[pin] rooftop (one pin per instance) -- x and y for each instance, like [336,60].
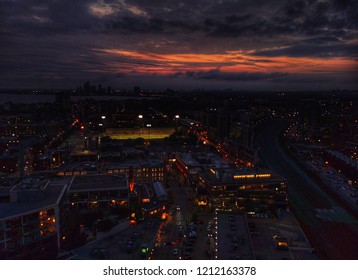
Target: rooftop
[30,183]
[51,193]
[98,182]
[5,191]
[77,166]
[159,189]
[150,162]
[239,175]
[193,160]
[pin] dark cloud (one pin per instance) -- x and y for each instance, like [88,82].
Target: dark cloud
[244,80]
[235,18]
[298,18]
[216,74]
[43,62]
[46,17]
[295,9]
[132,24]
[342,4]
[309,50]
[61,38]
[250,19]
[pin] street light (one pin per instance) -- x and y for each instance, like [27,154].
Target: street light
[149,126]
[176,122]
[141,124]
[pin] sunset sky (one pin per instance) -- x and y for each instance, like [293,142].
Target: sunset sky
[249,45]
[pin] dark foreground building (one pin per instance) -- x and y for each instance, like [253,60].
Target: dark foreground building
[30,220]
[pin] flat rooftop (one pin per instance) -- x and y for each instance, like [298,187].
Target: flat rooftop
[233,237]
[5,191]
[152,162]
[51,193]
[240,175]
[77,166]
[193,160]
[30,183]
[98,182]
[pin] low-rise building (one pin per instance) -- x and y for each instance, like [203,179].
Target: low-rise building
[31,223]
[76,169]
[93,192]
[248,189]
[191,163]
[144,170]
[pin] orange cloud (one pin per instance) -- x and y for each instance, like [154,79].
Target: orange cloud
[233,61]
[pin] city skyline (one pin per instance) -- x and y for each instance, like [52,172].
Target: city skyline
[200,176]
[256,45]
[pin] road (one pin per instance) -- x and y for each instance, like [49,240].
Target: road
[176,228]
[332,231]
[177,218]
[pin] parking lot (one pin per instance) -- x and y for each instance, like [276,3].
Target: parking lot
[233,239]
[279,238]
[122,242]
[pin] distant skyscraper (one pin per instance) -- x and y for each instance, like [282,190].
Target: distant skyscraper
[136,90]
[21,160]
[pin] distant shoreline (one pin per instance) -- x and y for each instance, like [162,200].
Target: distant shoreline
[29,98]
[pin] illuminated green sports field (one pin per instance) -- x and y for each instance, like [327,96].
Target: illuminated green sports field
[134,133]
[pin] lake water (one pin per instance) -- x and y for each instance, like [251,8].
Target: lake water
[25,98]
[29,98]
